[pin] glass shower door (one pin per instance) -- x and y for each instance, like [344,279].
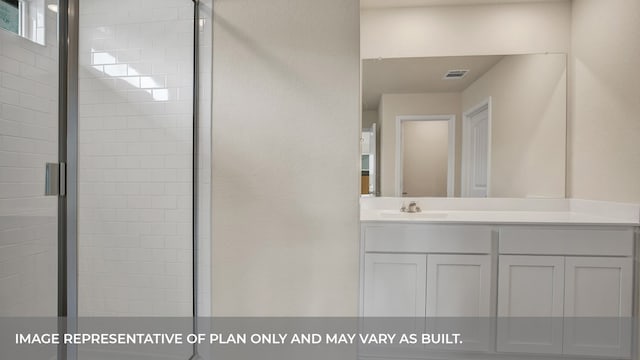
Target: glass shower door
[125,226]
[28,141]
[135,158]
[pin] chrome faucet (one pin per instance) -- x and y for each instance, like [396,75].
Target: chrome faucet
[413,208]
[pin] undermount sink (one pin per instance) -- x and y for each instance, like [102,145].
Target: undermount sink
[416,215]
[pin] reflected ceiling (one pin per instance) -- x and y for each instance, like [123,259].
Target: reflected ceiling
[419,75]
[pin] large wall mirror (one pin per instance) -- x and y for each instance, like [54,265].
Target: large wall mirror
[465,126]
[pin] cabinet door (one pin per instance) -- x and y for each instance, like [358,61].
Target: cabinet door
[458,298]
[597,306]
[530,304]
[394,285]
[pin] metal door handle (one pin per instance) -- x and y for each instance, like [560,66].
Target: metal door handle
[55,179]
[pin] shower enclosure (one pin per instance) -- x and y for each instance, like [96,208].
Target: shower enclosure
[114,101]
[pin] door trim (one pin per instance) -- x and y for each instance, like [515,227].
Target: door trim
[451,161]
[68,29]
[465,172]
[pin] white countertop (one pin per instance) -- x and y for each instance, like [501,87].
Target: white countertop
[493,217]
[502,211]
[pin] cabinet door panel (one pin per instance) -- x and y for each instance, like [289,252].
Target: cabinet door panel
[597,306]
[530,304]
[394,285]
[458,298]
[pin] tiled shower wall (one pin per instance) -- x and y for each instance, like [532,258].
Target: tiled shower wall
[28,140]
[135,157]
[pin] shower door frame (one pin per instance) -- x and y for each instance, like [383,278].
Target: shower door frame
[68,36]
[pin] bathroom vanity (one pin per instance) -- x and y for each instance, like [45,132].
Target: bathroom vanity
[520,278]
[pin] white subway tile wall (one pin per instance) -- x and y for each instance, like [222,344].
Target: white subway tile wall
[28,140]
[135,108]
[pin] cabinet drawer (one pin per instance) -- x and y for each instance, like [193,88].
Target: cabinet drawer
[563,241]
[427,238]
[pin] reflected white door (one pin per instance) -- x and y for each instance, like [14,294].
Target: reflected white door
[475,159]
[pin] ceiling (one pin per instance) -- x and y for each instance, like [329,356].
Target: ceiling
[365,4]
[418,75]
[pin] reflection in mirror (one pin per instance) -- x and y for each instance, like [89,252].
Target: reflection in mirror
[425,155]
[368,152]
[470,126]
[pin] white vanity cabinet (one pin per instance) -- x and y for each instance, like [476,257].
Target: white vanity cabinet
[401,285]
[459,289]
[394,285]
[429,271]
[558,290]
[602,288]
[566,298]
[530,302]
[458,285]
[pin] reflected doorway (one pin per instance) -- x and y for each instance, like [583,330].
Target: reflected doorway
[368,148]
[425,155]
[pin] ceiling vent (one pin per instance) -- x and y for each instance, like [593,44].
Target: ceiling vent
[455,74]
